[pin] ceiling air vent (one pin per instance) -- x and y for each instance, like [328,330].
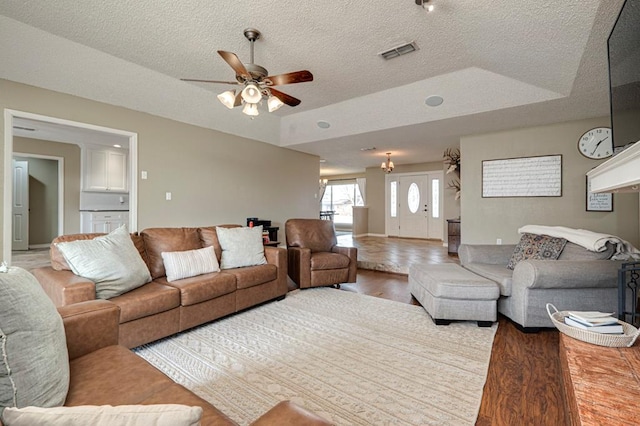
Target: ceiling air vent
[399,50]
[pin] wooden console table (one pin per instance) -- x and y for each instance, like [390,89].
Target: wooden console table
[601,385]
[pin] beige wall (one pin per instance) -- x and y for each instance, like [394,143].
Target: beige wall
[486,219]
[71,155]
[214,177]
[375,194]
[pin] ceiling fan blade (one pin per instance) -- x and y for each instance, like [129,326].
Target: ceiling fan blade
[209,81]
[289,78]
[287,99]
[235,63]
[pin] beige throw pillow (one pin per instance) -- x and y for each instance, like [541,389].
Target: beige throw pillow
[189,263]
[112,262]
[105,415]
[241,247]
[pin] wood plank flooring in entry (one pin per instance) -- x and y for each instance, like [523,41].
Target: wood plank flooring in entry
[523,383]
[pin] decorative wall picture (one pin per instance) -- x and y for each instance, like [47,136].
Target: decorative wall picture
[522,177]
[598,202]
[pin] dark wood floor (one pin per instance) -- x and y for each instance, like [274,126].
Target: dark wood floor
[523,383]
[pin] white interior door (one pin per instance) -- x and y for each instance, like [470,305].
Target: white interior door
[20,206]
[414,206]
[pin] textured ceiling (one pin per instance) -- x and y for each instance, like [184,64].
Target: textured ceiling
[498,65]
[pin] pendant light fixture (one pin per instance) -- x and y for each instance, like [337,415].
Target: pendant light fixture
[387,166]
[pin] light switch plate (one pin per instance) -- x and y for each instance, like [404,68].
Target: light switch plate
[167,196]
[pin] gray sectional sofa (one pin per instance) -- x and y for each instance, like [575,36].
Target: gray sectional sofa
[579,280]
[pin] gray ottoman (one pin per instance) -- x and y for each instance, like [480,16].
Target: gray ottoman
[449,292]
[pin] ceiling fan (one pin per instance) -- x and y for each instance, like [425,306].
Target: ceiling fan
[256,82]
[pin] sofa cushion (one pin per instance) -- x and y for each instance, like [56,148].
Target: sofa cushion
[34,362]
[202,287]
[241,247]
[250,276]
[157,240]
[538,247]
[111,261]
[497,273]
[105,415]
[326,260]
[189,263]
[147,300]
[575,252]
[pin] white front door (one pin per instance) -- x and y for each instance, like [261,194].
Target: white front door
[20,206]
[414,206]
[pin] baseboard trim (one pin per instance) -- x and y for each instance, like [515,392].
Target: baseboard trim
[38,246]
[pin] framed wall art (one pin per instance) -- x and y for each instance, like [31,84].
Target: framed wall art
[539,176]
[598,202]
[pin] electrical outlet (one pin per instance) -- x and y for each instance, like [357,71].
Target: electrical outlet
[167,196]
[499,241]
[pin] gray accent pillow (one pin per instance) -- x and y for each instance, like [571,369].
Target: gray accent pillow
[537,247]
[34,363]
[241,247]
[112,262]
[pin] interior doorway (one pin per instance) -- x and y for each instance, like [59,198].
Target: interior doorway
[414,205]
[10,117]
[38,200]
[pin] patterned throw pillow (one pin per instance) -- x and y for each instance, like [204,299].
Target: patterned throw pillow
[538,247]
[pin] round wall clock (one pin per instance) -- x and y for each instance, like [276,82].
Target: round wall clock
[596,143]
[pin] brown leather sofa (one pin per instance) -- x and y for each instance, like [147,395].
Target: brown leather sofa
[314,257]
[161,308]
[105,373]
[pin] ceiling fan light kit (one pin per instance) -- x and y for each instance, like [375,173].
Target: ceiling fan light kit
[228,98]
[256,82]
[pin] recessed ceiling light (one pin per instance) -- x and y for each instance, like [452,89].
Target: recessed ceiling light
[117,146]
[324,124]
[371,148]
[434,101]
[322,160]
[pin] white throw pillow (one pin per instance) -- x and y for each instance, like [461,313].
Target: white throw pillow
[112,262]
[241,247]
[104,415]
[189,263]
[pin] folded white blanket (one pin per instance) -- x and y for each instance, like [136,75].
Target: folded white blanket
[590,240]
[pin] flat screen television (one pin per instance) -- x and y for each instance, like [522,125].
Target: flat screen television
[624,75]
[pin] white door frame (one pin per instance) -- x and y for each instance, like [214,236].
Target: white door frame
[389,177]
[9,115]
[60,161]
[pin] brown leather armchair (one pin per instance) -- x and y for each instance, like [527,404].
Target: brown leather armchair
[315,259]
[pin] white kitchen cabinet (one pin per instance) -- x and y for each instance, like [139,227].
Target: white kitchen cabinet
[105,170]
[103,222]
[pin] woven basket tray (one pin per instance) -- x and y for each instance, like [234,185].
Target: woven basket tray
[626,339]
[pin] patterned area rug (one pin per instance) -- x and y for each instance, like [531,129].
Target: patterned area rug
[353,359]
